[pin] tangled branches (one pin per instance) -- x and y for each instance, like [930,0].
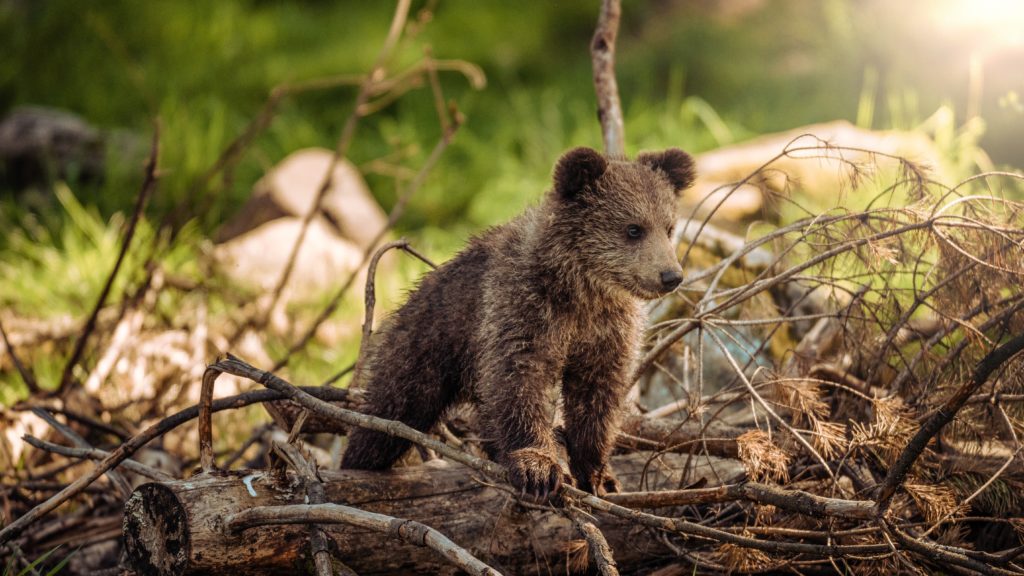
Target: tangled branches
[839,391]
[877,352]
[863,372]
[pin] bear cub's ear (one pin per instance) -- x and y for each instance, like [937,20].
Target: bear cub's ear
[577,169]
[676,164]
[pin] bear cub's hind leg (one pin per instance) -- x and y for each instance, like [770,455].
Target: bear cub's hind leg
[416,398]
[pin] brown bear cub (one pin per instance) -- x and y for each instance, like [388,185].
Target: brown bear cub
[552,298]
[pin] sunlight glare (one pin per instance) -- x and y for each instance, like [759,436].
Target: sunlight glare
[1001,22]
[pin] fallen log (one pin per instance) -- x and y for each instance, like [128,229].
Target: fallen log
[669,435]
[181,527]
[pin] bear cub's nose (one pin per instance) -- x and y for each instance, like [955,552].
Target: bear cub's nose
[670,279]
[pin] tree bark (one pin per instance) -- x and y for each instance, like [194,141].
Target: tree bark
[180,527]
[602,57]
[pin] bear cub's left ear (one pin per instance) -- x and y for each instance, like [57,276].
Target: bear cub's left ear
[677,165]
[577,170]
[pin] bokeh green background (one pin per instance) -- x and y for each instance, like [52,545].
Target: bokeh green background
[692,73]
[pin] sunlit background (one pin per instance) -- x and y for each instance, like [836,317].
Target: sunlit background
[698,74]
[721,71]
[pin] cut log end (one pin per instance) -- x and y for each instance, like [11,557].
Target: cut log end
[156,531]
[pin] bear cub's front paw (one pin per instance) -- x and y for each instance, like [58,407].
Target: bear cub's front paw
[535,472]
[600,482]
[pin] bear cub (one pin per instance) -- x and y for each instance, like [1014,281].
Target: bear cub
[552,298]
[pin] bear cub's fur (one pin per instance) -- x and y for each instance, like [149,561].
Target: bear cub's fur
[552,298]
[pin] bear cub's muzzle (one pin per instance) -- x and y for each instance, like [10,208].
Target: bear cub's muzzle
[670,280]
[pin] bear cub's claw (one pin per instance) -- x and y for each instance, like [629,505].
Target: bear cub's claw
[600,482]
[536,473]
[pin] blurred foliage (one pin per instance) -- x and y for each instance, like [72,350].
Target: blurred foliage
[692,73]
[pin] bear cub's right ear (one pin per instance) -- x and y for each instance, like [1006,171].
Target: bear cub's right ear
[674,163]
[576,170]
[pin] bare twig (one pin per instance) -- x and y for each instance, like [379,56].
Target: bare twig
[238,367]
[315,493]
[942,555]
[406,530]
[25,372]
[260,434]
[764,404]
[339,374]
[98,455]
[116,478]
[396,212]
[600,551]
[794,500]
[73,416]
[148,184]
[371,296]
[230,155]
[342,146]
[206,456]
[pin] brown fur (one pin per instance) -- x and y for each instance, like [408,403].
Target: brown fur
[553,297]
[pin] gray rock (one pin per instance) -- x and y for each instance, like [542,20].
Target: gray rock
[290,189]
[254,246]
[44,144]
[40,145]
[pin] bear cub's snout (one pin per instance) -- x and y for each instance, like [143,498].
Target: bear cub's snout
[670,279]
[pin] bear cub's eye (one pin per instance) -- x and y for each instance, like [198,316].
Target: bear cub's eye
[634,232]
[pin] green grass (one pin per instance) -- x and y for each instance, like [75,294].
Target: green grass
[56,265]
[36,565]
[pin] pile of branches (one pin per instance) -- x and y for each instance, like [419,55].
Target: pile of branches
[885,440]
[839,394]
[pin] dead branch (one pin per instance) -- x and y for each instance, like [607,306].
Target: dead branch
[596,542]
[602,55]
[133,444]
[308,472]
[341,148]
[371,295]
[943,416]
[764,494]
[99,455]
[25,372]
[238,367]
[408,531]
[148,184]
[116,478]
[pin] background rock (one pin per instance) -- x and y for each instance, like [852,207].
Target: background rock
[816,170]
[254,246]
[43,144]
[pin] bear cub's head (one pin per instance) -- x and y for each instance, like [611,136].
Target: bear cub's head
[619,216]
